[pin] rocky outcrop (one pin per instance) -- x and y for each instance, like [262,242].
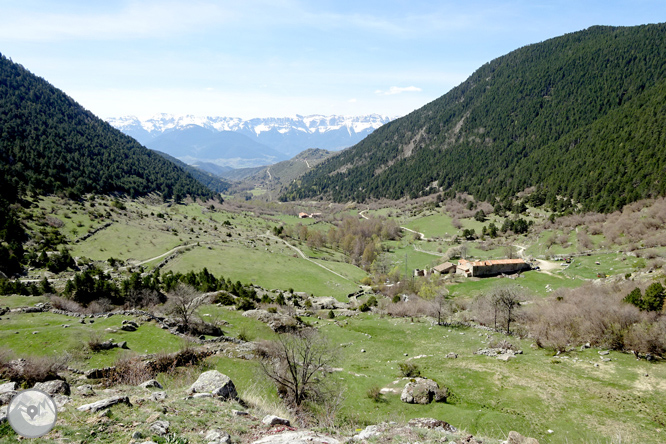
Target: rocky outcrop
[54,387]
[423,391]
[272,420]
[278,322]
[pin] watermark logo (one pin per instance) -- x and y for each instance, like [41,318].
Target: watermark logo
[32,413]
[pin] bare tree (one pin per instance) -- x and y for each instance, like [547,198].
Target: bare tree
[505,302]
[440,307]
[183,303]
[296,363]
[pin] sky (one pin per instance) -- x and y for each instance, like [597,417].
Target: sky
[279,58]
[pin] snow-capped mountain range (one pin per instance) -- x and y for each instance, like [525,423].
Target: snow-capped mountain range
[288,135]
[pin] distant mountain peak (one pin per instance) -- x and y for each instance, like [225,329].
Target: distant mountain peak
[288,135]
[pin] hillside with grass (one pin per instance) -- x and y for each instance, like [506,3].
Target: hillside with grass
[579,116]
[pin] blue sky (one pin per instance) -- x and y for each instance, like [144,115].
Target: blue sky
[275,58]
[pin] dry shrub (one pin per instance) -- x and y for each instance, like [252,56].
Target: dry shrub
[95,341]
[594,314]
[187,356]
[28,371]
[65,304]
[99,306]
[413,307]
[130,369]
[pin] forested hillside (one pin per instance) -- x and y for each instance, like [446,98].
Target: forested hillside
[210,180]
[49,143]
[580,116]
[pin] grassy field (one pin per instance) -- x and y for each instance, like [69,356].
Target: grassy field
[532,394]
[265,269]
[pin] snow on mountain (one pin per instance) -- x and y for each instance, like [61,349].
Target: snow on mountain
[289,135]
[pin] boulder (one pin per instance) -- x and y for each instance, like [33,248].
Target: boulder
[517,438]
[158,396]
[99,373]
[160,428]
[272,420]
[216,384]
[368,432]
[326,303]
[54,387]
[103,404]
[423,391]
[85,390]
[8,387]
[151,384]
[128,327]
[217,436]
[300,437]
[431,423]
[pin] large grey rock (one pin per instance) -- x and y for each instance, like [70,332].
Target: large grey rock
[272,420]
[85,390]
[6,397]
[152,383]
[423,391]
[327,303]
[367,433]
[99,373]
[517,438]
[300,437]
[8,387]
[217,436]
[105,403]
[158,396]
[160,428]
[54,387]
[431,423]
[216,384]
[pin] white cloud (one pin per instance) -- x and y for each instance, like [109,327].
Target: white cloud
[351,100]
[398,90]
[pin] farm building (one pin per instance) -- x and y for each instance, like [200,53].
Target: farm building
[491,268]
[445,268]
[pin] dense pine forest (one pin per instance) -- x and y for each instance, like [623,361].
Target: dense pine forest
[50,144]
[580,116]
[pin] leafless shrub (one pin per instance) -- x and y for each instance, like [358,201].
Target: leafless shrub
[413,307]
[130,369]
[592,313]
[297,364]
[99,306]
[65,304]
[28,371]
[501,343]
[94,341]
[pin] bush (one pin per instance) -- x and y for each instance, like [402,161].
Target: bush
[31,370]
[409,370]
[331,314]
[224,298]
[245,304]
[375,394]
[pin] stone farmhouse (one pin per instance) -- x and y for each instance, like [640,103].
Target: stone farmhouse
[491,267]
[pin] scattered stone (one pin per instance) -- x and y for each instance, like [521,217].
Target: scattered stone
[300,437]
[105,403]
[362,350]
[604,353]
[278,322]
[54,387]
[272,420]
[128,327]
[217,436]
[431,423]
[35,332]
[240,413]
[137,435]
[82,321]
[123,345]
[216,384]
[368,432]
[158,396]
[452,355]
[160,428]
[85,390]
[152,383]
[517,438]
[61,401]
[201,395]
[423,391]
[99,373]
